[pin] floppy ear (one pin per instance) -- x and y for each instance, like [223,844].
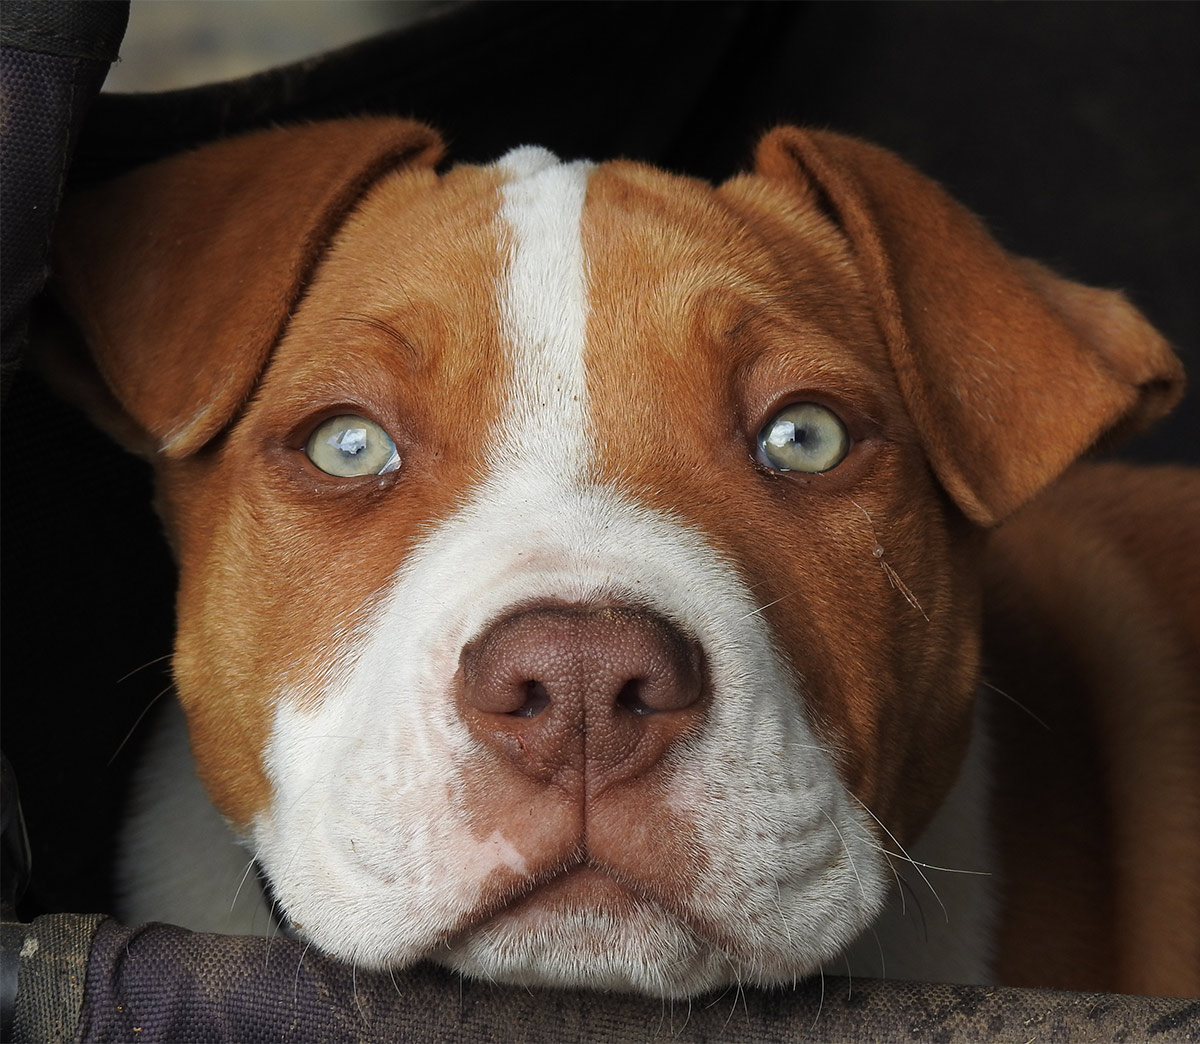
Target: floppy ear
[1008,371]
[180,276]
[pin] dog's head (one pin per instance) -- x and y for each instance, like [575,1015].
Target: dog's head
[578,563]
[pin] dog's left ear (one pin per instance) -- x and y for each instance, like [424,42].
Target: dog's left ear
[1009,371]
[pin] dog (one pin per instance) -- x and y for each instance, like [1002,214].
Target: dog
[589,576]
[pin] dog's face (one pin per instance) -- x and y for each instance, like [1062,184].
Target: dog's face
[578,598]
[573,689]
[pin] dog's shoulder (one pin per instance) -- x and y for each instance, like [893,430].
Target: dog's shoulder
[1108,557]
[1092,632]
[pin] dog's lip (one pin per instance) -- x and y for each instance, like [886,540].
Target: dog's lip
[585,886]
[580,886]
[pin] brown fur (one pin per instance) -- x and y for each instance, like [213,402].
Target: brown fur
[329,547]
[733,324]
[1094,625]
[980,339]
[233,219]
[835,273]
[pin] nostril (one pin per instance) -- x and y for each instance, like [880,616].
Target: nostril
[537,699]
[630,697]
[573,666]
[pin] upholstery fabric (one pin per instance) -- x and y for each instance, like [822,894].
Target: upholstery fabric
[161,983]
[53,59]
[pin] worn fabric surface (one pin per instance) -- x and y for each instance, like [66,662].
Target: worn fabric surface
[53,969]
[160,983]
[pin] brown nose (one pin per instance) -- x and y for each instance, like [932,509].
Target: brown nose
[582,697]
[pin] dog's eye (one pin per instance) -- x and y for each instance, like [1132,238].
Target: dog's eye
[803,437]
[349,447]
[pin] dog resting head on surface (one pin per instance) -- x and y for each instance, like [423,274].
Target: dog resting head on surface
[580,565]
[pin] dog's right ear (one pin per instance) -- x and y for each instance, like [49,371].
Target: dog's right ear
[178,278]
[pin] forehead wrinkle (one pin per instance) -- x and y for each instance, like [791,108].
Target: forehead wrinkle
[396,336]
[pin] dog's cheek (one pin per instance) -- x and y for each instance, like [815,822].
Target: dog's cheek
[876,607]
[905,719]
[949,669]
[925,729]
[227,729]
[256,618]
[226,702]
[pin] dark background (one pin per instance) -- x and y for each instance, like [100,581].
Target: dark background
[1071,128]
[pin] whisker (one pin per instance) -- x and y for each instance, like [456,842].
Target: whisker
[875,934]
[241,884]
[296,980]
[144,666]
[741,995]
[888,571]
[930,866]
[354,993]
[899,584]
[725,992]
[275,912]
[1016,703]
[866,514]
[875,846]
[762,608]
[920,908]
[133,728]
[787,932]
[820,1004]
[846,849]
[896,841]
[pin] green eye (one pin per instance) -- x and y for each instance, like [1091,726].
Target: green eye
[350,447]
[803,437]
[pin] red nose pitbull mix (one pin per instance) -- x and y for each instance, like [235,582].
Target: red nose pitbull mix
[592,577]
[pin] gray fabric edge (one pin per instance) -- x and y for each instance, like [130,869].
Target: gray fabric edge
[157,982]
[53,971]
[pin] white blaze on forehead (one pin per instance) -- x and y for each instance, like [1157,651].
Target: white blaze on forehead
[543,307]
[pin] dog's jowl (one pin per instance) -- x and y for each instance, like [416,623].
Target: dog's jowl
[590,576]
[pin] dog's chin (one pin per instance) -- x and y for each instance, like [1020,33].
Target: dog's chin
[585,931]
[647,953]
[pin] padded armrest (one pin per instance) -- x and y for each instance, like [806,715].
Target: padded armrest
[91,979]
